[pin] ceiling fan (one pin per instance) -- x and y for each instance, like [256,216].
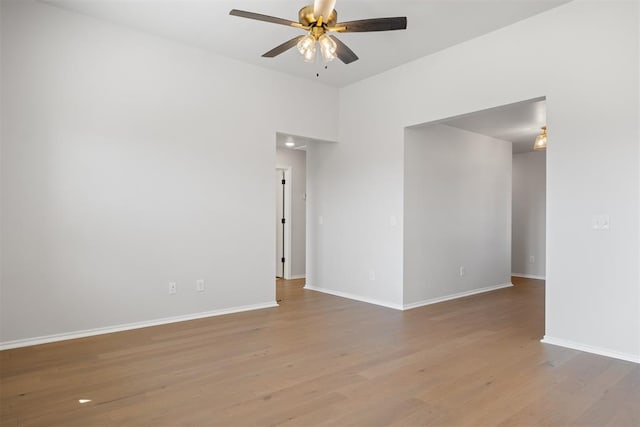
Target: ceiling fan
[318,20]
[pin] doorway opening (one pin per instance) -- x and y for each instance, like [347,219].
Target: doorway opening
[301,159]
[475,206]
[520,124]
[290,212]
[284,219]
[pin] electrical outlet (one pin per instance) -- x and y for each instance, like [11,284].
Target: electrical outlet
[532,259]
[462,271]
[372,275]
[173,288]
[200,285]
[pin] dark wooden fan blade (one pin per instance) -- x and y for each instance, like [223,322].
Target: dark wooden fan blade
[265,18]
[376,24]
[343,52]
[282,48]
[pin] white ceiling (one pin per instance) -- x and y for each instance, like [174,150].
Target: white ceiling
[519,123]
[300,142]
[432,26]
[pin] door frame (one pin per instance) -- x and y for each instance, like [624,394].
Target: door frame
[288,177]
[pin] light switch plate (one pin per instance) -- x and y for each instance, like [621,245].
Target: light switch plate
[601,222]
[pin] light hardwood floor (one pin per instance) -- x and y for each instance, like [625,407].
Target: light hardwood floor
[318,360]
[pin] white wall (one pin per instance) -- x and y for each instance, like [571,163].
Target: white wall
[583,56]
[129,161]
[296,159]
[457,212]
[351,186]
[529,214]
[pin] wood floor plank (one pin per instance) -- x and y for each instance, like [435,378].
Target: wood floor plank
[319,359]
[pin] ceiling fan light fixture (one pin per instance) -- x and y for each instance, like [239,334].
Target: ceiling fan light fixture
[307,48]
[306,43]
[328,47]
[541,140]
[309,55]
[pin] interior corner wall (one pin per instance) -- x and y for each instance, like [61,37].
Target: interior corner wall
[354,208]
[529,214]
[296,159]
[592,291]
[457,213]
[130,161]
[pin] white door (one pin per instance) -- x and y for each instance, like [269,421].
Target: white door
[279,224]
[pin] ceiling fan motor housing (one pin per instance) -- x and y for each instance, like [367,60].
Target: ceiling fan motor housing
[307,18]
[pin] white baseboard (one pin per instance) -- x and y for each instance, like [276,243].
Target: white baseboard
[455,296]
[411,305]
[529,276]
[297,276]
[354,297]
[590,349]
[128,326]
